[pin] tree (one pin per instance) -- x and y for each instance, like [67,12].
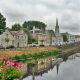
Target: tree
[2,23]
[31,40]
[65,38]
[29,25]
[16,27]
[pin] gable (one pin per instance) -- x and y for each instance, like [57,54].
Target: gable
[7,33]
[21,32]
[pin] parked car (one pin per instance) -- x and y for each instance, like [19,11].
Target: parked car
[1,47]
[10,47]
[41,46]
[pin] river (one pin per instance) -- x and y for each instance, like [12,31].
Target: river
[66,70]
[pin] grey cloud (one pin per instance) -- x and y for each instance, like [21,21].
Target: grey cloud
[14,15]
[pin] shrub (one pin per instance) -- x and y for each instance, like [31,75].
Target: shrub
[36,56]
[16,57]
[9,73]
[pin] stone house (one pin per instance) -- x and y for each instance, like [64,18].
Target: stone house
[46,38]
[41,39]
[14,38]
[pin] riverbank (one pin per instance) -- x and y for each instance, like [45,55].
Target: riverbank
[8,53]
[36,56]
[67,52]
[29,54]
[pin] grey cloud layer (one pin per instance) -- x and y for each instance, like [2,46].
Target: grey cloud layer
[68,12]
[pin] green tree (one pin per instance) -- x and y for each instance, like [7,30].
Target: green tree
[65,38]
[16,27]
[32,40]
[2,23]
[29,25]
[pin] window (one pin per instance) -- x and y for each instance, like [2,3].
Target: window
[25,37]
[12,42]
[18,37]
[22,37]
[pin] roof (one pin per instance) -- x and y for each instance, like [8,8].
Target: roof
[50,32]
[66,33]
[13,32]
[77,36]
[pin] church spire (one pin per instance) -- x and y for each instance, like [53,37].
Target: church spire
[56,21]
[57,28]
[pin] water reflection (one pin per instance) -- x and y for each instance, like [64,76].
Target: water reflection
[50,70]
[43,66]
[57,66]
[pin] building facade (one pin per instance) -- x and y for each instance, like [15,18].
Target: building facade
[70,37]
[14,38]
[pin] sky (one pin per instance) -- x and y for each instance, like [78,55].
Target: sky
[67,11]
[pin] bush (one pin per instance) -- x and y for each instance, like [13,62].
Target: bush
[9,73]
[16,57]
[36,55]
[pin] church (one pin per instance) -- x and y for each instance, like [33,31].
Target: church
[50,37]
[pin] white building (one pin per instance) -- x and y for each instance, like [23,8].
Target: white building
[77,38]
[70,37]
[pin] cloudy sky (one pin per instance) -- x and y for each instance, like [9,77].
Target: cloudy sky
[67,11]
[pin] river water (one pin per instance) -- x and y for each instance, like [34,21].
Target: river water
[66,70]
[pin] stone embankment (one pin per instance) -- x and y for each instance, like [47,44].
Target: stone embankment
[69,49]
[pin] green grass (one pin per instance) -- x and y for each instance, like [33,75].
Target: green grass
[36,56]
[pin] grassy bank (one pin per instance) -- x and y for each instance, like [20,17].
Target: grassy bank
[10,53]
[36,56]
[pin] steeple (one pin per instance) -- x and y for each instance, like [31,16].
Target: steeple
[56,21]
[57,28]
